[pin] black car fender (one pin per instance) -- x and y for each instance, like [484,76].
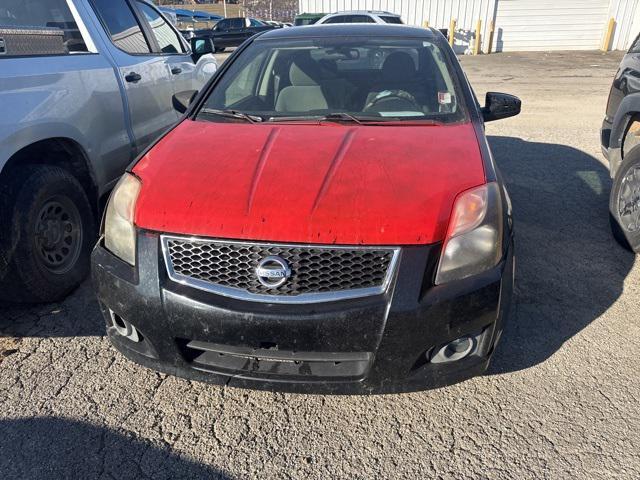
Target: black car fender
[629,108]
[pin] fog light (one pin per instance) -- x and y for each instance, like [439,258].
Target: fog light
[455,350]
[124,328]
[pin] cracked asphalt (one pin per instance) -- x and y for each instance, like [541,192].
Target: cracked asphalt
[560,400]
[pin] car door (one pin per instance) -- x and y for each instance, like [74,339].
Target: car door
[221,33]
[167,42]
[145,74]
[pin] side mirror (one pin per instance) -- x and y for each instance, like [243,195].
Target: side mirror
[201,46]
[182,100]
[500,105]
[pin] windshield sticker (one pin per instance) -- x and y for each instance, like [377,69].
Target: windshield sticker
[444,98]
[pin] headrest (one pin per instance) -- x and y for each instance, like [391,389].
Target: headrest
[304,72]
[398,65]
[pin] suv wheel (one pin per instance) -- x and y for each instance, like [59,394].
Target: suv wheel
[50,232]
[624,203]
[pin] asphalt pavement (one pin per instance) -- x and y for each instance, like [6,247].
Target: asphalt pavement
[560,400]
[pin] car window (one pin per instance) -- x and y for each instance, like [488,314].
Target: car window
[58,32]
[391,19]
[360,19]
[166,37]
[122,26]
[256,23]
[237,23]
[336,19]
[222,25]
[381,78]
[245,82]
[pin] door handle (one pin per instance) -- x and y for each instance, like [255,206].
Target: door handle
[176,70]
[133,77]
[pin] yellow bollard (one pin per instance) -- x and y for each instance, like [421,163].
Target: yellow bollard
[452,32]
[606,44]
[476,47]
[426,24]
[492,28]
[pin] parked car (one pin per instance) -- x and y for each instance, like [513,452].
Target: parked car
[355,236]
[307,19]
[83,91]
[232,32]
[620,137]
[361,16]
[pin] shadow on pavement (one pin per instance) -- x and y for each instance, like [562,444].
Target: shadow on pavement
[77,316]
[569,269]
[41,448]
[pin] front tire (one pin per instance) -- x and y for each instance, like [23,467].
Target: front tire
[50,229]
[624,202]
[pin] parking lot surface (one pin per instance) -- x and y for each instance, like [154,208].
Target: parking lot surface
[560,400]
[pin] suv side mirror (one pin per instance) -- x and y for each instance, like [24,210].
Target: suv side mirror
[201,46]
[182,100]
[500,105]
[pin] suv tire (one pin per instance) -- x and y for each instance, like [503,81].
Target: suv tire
[50,231]
[624,202]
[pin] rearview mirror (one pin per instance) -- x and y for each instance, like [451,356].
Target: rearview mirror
[500,105]
[201,46]
[182,100]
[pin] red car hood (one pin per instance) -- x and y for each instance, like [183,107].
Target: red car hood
[324,184]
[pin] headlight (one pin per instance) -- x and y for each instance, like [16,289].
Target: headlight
[119,229]
[474,237]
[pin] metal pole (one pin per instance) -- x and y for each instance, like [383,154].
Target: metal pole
[452,32]
[224,5]
[476,47]
[608,35]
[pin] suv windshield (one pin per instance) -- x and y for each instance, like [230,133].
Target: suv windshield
[358,78]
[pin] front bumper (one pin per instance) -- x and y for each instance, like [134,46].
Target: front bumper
[379,344]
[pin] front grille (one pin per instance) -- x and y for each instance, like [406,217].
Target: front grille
[315,270]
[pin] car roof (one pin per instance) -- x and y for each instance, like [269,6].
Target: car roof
[365,12]
[350,29]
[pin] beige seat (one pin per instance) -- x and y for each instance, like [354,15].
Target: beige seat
[304,94]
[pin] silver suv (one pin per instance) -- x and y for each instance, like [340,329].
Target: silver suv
[361,16]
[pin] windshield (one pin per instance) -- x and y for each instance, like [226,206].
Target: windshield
[362,79]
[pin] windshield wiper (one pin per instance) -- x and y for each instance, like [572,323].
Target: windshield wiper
[232,114]
[343,117]
[331,117]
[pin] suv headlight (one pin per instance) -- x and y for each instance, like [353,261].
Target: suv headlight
[474,238]
[119,228]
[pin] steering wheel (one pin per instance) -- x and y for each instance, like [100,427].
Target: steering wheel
[405,101]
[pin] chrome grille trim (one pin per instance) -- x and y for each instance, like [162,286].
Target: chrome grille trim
[242,294]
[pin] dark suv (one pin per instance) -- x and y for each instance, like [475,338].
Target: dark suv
[620,136]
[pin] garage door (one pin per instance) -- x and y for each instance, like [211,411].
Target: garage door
[550,24]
